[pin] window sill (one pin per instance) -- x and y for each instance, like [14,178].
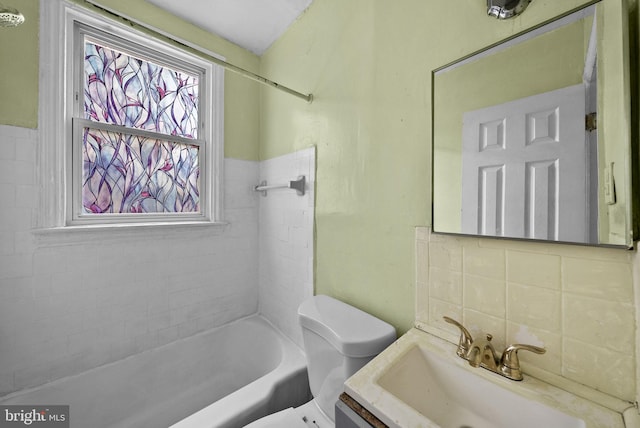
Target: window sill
[65,235]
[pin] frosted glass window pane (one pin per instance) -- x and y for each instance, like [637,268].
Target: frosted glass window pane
[133,174]
[124,90]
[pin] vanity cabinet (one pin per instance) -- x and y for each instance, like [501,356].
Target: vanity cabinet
[351,414]
[347,418]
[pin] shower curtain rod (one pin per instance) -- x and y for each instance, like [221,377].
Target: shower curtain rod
[201,52]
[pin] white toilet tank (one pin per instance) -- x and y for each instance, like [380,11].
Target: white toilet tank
[338,340]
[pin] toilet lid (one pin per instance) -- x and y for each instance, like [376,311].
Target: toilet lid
[352,332]
[286,418]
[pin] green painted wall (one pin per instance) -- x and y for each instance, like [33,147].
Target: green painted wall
[368,64]
[19,67]
[19,71]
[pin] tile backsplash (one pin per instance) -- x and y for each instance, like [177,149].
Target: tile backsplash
[577,302]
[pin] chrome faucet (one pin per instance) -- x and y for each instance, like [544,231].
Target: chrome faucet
[481,353]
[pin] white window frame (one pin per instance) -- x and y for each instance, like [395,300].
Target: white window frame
[61,100]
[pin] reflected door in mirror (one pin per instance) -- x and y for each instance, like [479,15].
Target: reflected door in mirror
[506,136]
[523,165]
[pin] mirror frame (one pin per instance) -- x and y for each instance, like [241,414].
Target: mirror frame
[618,116]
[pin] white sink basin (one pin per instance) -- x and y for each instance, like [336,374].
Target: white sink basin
[453,397]
[420,382]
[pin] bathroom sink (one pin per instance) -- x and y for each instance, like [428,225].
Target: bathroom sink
[454,397]
[419,381]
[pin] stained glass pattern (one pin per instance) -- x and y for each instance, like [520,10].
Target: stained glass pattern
[127,174]
[124,90]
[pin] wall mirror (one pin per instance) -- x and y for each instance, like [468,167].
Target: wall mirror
[531,136]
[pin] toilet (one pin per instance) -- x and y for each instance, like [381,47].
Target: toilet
[338,340]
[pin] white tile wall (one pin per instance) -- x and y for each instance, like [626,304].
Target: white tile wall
[578,302]
[286,241]
[67,307]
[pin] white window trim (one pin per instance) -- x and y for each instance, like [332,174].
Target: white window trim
[56,89]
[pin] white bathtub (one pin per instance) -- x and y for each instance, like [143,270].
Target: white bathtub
[247,370]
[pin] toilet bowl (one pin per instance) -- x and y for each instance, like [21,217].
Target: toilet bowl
[305,416]
[339,339]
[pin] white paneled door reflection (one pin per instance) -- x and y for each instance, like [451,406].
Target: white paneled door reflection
[523,168]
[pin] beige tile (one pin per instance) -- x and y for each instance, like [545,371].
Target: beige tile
[567,250]
[446,238]
[422,261]
[486,295]
[601,323]
[592,253]
[600,368]
[422,233]
[438,309]
[422,305]
[515,245]
[598,278]
[445,285]
[577,302]
[487,262]
[551,360]
[480,324]
[422,302]
[534,306]
[422,292]
[446,255]
[538,269]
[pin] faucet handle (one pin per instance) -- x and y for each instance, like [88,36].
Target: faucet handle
[465,338]
[510,363]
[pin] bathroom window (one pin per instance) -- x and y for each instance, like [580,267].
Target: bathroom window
[142,136]
[135,142]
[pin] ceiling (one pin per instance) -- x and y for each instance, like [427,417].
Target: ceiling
[252,24]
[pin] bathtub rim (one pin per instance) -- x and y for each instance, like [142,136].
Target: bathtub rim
[282,337]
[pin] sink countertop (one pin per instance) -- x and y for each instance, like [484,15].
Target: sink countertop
[364,388]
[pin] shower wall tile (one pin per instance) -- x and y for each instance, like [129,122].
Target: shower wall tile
[286,240]
[577,302]
[68,307]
